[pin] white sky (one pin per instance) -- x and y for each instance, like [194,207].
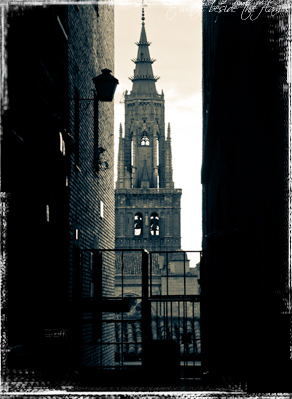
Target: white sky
[174,29]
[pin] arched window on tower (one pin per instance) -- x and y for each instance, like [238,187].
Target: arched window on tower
[154,224]
[138,224]
[132,151]
[145,139]
[132,160]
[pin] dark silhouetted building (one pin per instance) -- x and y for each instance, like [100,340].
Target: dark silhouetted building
[58,174]
[244,277]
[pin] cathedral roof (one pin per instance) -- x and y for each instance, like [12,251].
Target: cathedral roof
[143,79]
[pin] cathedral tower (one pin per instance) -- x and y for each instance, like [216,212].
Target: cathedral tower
[147,204]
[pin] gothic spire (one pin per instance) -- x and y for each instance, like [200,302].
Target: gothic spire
[143,79]
[168,131]
[168,160]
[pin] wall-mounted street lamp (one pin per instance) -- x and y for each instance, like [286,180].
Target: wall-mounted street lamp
[105,87]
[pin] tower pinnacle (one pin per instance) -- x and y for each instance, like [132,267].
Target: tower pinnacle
[168,131]
[143,78]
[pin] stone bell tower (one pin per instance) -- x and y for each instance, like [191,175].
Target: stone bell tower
[147,204]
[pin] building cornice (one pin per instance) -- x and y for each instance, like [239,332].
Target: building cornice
[149,191]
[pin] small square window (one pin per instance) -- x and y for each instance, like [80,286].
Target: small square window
[101,209]
[91,290]
[91,261]
[47,213]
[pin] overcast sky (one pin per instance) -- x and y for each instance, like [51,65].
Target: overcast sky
[174,29]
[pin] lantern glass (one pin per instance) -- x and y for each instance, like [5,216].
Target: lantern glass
[105,85]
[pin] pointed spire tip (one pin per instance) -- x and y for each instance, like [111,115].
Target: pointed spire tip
[168,130]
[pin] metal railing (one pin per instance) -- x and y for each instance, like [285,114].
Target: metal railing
[155,298]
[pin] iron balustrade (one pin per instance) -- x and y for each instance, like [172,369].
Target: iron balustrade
[156,299]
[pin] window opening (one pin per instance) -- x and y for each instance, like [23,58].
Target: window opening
[62,144]
[138,224]
[132,152]
[101,209]
[154,224]
[91,290]
[47,213]
[158,162]
[145,139]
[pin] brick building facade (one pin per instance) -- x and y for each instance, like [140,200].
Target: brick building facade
[58,174]
[90,49]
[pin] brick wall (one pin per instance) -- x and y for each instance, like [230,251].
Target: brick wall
[60,49]
[90,49]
